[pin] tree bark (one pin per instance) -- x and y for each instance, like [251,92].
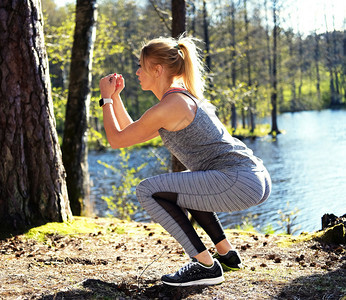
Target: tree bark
[206,38]
[268,52]
[274,93]
[233,65]
[178,17]
[317,62]
[248,60]
[75,149]
[32,179]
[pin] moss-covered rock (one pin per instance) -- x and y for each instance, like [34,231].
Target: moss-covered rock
[334,235]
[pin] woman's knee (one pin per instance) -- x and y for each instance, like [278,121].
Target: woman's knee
[267,186]
[143,190]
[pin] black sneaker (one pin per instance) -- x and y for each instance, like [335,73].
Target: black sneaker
[230,261]
[195,273]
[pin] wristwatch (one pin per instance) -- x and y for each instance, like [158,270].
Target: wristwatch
[104,101]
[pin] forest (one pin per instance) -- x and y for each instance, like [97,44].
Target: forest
[236,41]
[52,56]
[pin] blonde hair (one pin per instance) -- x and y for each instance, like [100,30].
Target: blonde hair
[181,59]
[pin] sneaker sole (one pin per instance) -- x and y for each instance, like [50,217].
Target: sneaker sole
[226,268]
[208,281]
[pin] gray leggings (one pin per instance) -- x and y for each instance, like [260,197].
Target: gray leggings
[168,197]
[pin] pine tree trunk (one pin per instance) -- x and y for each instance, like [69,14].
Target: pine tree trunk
[274,93]
[32,178]
[248,61]
[233,65]
[178,28]
[268,54]
[75,149]
[178,17]
[317,61]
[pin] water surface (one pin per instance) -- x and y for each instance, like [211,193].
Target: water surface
[307,165]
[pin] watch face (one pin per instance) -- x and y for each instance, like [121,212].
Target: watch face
[101,102]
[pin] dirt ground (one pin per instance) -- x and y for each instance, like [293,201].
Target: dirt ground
[125,260]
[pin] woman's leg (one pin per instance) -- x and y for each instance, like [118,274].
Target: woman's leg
[198,191]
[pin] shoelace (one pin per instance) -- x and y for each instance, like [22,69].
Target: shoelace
[186,267]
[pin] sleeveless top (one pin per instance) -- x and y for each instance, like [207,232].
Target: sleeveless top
[205,144]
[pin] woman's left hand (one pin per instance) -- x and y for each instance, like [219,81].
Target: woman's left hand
[108,86]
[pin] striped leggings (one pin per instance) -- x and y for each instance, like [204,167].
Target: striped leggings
[168,197]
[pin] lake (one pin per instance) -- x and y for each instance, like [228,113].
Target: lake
[307,164]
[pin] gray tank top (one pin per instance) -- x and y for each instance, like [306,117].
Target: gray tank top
[205,144]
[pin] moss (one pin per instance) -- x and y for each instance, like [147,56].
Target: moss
[77,226]
[303,237]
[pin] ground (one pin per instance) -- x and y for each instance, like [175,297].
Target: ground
[111,259]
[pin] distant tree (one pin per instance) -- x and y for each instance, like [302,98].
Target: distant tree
[75,149]
[291,68]
[32,177]
[206,38]
[233,64]
[249,64]
[274,80]
[317,63]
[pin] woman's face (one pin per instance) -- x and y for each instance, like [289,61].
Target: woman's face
[146,78]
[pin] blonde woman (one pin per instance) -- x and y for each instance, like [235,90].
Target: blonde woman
[223,175]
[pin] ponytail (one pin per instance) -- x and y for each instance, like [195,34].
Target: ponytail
[193,75]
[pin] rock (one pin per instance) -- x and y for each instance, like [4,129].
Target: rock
[335,235]
[330,220]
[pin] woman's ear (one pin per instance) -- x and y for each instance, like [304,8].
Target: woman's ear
[158,70]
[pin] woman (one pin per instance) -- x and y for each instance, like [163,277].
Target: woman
[223,175]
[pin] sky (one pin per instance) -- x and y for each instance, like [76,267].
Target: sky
[305,15]
[311,15]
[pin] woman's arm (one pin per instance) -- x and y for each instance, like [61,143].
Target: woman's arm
[120,111]
[137,132]
[121,131]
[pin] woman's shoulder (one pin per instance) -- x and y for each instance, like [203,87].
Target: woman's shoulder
[178,100]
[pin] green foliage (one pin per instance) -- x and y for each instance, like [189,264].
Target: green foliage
[59,97]
[122,27]
[287,219]
[260,131]
[247,224]
[121,203]
[268,229]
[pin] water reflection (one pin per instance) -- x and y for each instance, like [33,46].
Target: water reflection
[307,165]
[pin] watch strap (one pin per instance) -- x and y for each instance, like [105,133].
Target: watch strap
[104,101]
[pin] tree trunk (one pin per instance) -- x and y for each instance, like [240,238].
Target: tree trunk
[248,60]
[291,69]
[233,65]
[32,178]
[274,93]
[336,73]
[301,63]
[268,54]
[344,64]
[178,28]
[178,17]
[75,150]
[317,61]
[330,70]
[206,39]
